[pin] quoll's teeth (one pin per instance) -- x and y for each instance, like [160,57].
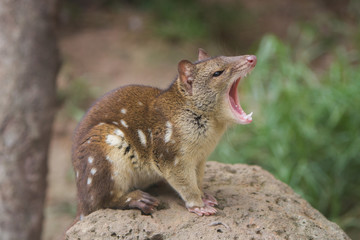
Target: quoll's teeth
[248,117]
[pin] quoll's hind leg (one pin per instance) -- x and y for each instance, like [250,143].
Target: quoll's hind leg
[93,173]
[143,201]
[136,199]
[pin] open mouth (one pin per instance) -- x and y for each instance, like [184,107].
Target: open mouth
[239,113]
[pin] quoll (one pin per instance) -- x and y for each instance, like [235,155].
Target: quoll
[135,136]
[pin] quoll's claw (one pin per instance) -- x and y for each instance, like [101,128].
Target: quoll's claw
[146,203]
[201,211]
[209,200]
[148,199]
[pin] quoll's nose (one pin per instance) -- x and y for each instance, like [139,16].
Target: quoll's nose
[252,60]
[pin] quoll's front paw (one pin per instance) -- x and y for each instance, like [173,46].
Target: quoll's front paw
[209,200]
[206,210]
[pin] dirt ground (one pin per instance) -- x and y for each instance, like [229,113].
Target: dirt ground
[108,50]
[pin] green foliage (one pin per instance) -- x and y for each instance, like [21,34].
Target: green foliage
[188,20]
[177,20]
[76,97]
[306,128]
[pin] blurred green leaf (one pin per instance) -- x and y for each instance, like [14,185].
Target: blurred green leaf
[76,97]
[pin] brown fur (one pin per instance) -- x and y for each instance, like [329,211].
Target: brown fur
[135,136]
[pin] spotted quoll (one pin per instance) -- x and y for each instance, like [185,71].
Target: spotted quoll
[135,136]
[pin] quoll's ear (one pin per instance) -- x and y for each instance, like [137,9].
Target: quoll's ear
[186,74]
[203,54]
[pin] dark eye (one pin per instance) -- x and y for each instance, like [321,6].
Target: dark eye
[218,73]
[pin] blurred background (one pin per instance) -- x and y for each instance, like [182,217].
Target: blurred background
[304,91]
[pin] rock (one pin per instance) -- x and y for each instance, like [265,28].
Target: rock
[252,205]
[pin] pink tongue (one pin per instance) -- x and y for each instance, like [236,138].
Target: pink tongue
[235,105]
[234,100]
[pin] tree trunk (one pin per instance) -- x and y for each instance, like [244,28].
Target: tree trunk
[29,64]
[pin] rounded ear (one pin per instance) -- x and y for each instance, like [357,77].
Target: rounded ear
[202,55]
[186,74]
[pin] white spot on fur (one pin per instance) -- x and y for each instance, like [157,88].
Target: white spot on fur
[90,159]
[115,123]
[89,180]
[113,140]
[150,132]
[93,171]
[108,158]
[119,132]
[140,103]
[88,141]
[100,124]
[124,123]
[142,137]
[128,200]
[136,155]
[176,161]
[168,132]
[123,111]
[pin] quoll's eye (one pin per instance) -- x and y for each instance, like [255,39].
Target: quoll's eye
[218,73]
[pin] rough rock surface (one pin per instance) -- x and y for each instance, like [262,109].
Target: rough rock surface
[252,205]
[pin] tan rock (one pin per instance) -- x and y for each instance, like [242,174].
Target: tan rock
[252,205]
